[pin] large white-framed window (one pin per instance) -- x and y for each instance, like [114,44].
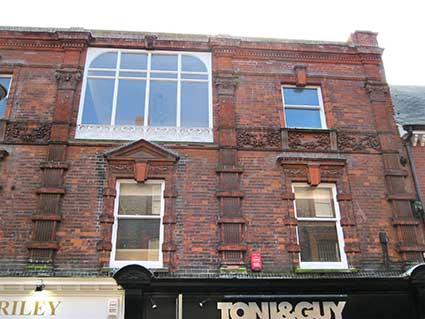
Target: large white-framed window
[319,230]
[5,81]
[303,107]
[156,95]
[137,234]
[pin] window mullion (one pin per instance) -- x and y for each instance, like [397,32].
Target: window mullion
[179,71]
[148,82]
[115,97]
[322,108]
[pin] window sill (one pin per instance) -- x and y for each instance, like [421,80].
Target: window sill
[132,132]
[323,266]
[149,265]
[309,130]
[304,271]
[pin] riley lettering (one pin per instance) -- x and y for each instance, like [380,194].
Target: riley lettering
[28,308]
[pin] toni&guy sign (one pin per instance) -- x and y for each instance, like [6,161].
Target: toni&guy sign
[281,310]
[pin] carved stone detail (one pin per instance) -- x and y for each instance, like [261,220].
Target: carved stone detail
[308,142]
[226,84]
[133,274]
[331,172]
[357,142]
[296,172]
[68,79]
[259,138]
[25,132]
[158,170]
[132,132]
[3,154]
[150,41]
[377,91]
[122,168]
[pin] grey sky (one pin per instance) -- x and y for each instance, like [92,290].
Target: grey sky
[400,24]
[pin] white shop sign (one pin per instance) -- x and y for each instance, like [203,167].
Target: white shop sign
[38,305]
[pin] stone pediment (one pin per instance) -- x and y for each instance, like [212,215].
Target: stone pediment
[142,151]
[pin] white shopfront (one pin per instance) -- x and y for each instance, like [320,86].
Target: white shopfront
[61,298]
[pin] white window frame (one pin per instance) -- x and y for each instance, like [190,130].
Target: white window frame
[319,107]
[343,264]
[2,75]
[148,264]
[153,133]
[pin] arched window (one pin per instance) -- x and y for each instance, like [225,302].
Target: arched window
[152,95]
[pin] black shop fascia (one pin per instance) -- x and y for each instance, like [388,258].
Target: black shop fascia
[273,296]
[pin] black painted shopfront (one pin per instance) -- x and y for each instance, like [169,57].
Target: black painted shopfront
[267,296]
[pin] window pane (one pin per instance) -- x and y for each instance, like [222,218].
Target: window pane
[300,96]
[5,82]
[105,61]
[140,199]
[314,202]
[134,61]
[164,62]
[98,101]
[318,241]
[164,75]
[138,239]
[194,77]
[193,64]
[194,104]
[162,103]
[133,74]
[101,73]
[131,102]
[303,118]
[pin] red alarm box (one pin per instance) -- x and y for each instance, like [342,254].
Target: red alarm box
[256,262]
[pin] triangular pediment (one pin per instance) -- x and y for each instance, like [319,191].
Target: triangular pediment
[142,150]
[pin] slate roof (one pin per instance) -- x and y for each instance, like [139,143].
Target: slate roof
[409,104]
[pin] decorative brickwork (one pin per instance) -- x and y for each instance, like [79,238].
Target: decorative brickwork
[27,132]
[232,248]
[140,160]
[44,243]
[316,170]
[411,241]
[358,142]
[309,142]
[259,138]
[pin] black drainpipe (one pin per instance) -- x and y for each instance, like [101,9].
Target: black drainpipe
[419,205]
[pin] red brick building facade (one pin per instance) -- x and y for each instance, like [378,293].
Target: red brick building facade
[409,105]
[236,147]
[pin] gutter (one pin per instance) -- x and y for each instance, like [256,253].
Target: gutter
[406,139]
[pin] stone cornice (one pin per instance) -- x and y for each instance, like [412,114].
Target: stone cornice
[44,40]
[303,55]
[42,44]
[306,51]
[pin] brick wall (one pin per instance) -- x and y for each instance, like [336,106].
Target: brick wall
[418,153]
[361,130]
